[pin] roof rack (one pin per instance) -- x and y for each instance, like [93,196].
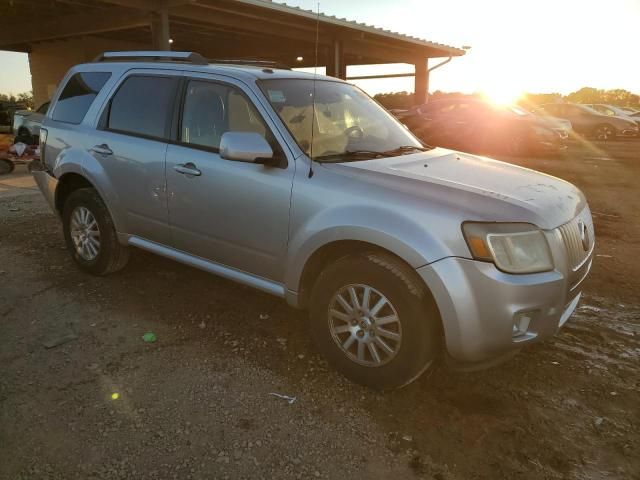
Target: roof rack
[152,56]
[250,62]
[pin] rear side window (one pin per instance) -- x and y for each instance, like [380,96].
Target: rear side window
[142,106]
[78,95]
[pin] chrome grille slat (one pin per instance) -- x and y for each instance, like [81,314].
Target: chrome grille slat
[577,256]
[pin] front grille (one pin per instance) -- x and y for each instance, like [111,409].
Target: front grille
[578,238]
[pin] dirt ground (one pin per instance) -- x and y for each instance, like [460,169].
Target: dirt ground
[197,403]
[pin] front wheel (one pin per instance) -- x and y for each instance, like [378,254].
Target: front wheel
[374,321]
[90,234]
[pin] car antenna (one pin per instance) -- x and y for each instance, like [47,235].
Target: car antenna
[313,101]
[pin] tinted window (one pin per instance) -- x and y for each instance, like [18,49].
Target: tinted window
[142,106]
[78,95]
[212,109]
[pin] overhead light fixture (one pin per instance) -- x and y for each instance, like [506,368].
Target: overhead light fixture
[171,40]
[299,59]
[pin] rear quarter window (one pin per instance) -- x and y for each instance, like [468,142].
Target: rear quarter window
[78,95]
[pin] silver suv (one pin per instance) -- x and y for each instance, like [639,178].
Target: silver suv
[305,188]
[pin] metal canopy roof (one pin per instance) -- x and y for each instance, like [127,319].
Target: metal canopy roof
[215,28]
[352,24]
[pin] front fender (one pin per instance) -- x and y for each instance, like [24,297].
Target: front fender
[386,229]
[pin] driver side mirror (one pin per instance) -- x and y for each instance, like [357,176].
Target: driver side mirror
[249,147]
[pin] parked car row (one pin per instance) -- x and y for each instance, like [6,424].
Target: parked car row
[479,126]
[591,122]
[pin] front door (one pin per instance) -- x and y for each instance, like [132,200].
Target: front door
[233,213]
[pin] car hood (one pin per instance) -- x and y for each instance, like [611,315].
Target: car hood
[482,188]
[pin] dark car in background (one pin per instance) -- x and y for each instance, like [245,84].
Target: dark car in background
[478,126]
[588,122]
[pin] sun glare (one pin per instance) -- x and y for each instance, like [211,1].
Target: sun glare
[502,94]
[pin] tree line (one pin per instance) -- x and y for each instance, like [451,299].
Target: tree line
[618,97]
[24,99]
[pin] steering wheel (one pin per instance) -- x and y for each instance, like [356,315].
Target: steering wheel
[351,132]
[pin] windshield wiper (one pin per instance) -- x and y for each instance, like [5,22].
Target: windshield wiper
[353,155]
[349,155]
[405,149]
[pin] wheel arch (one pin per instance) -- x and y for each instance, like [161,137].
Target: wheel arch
[67,184]
[323,255]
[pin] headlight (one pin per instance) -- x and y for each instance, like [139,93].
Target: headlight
[513,247]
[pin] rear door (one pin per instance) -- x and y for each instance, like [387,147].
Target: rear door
[233,213]
[131,144]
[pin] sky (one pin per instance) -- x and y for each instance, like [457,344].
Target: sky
[542,46]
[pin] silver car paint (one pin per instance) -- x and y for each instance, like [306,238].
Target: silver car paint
[260,225]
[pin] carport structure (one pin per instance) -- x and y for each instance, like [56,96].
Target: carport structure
[60,33]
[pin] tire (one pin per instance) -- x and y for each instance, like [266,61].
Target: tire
[604,132]
[24,136]
[108,256]
[418,322]
[6,166]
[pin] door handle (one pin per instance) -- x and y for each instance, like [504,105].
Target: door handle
[102,149]
[188,169]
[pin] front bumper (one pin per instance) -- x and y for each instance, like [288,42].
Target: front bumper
[478,305]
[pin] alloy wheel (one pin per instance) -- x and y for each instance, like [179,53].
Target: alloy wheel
[365,325]
[85,233]
[604,132]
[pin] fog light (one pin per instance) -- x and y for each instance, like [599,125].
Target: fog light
[521,322]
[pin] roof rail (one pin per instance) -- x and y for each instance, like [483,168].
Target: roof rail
[250,62]
[152,56]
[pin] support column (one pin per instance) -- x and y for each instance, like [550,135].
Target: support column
[336,66]
[421,82]
[160,27]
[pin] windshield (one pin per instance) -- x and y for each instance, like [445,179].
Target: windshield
[518,111]
[586,109]
[347,122]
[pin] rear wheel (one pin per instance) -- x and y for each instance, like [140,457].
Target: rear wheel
[604,132]
[90,235]
[374,321]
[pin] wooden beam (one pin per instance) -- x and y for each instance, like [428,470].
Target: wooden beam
[73,25]
[387,75]
[268,27]
[148,5]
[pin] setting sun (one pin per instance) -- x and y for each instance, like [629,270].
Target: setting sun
[503,94]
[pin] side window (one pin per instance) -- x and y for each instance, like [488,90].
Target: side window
[212,109]
[142,106]
[78,95]
[43,108]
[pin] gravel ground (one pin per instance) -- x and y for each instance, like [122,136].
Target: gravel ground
[198,402]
